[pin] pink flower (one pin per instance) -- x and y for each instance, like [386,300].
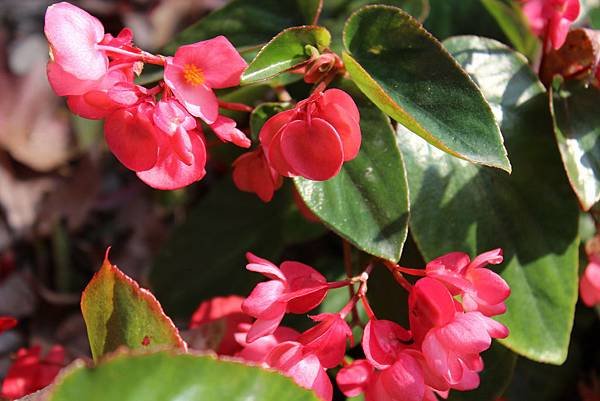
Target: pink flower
[31,372]
[315,138]
[383,341]
[258,350]
[225,129]
[481,289]
[292,359]
[252,173]
[327,340]
[7,323]
[356,378]
[589,287]
[430,305]
[294,288]
[403,381]
[551,18]
[224,315]
[197,69]
[76,62]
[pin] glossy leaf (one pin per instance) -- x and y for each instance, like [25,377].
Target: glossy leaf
[249,23]
[406,72]
[285,51]
[168,377]
[205,256]
[117,312]
[577,128]
[532,214]
[511,19]
[367,202]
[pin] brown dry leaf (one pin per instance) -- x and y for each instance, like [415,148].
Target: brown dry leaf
[577,58]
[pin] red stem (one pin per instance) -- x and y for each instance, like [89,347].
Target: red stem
[235,106]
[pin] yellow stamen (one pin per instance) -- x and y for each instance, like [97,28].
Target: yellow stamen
[193,75]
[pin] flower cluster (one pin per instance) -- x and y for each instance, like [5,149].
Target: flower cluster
[551,19]
[450,311]
[152,131]
[156,131]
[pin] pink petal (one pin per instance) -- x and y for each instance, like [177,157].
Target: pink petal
[132,138]
[251,173]
[492,257]
[65,84]
[467,334]
[382,341]
[404,379]
[572,10]
[264,267]
[322,386]
[272,126]
[285,355]
[199,100]
[342,99]
[73,35]
[558,31]
[262,297]
[170,172]
[258,350]
[589,287]
[430,305]
[226,130]
[489,286]
[355,378]
[276,159]
[264,327]
[441,360]
[327,340]
[313,151]
[338,109]
[299,275]
[219,61]
[453,261]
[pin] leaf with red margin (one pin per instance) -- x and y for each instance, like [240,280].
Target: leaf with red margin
[117,312]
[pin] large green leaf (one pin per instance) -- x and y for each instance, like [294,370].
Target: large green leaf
[169,377]
[406,72]
[532,214]
[286,51]
[205,256]
[117,313]
[509,15]
[367,202]
[249,23]
[576,115]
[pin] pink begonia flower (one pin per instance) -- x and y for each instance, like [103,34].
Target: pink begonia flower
[7,323]
[292,359]
[355,378]
[551,18]
[481,289]
[252,173]
[293,288]
[31,371]
[383,341]
[258,350]
[225,128]
[197,69]
[403,381]
[315,138]
[223,315]
[76,62]
[327,340]
[430,305]
[589,285]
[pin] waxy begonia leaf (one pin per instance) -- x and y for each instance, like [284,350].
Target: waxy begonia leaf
[205,256]
[576,116]
[117,312]
[249,23]
[406,72]
[496,375]
[532,214]
[511,19]
[285,51]
[367,202]
[165,376]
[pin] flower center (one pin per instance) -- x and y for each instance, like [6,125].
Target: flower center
[193,75]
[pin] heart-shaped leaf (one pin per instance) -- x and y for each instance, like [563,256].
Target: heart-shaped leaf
[577,128]
[165,376]
[532,214]
[285,51]
[406,72]
[117,312]
[367,202]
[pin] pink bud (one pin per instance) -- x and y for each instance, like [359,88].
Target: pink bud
[355,378]
[258,350]
[589,288]
[327,340]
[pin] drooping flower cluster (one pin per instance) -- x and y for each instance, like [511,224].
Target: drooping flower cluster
[450,312]
[551,19]
[153,132]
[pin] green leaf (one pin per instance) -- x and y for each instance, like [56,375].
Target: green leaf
[285,52]
[406,72]
[367,202]
[532,214]
[577,129]
[169,377]
[249,23]
[117,312]
[509,16]
[205,256]
[496,376]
